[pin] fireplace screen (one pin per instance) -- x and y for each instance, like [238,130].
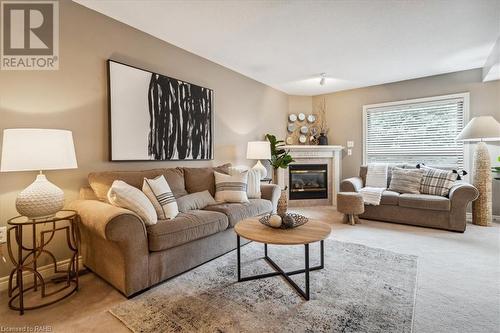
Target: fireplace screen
[308,181]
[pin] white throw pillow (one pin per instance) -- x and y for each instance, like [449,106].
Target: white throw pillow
[376,175]
[253,188]
[159,193]
[253,181]
[123,195]
[231,188]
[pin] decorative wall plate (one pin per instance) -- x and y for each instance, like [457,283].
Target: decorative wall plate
[289,140]
[314,130]
[302,116]
[291,127]
[292,117]
[311,118]
[302,139]
[304,130]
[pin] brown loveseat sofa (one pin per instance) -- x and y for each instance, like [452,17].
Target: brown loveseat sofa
[424,210]
[117,246]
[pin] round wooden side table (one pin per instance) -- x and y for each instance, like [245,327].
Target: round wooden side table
[42,291]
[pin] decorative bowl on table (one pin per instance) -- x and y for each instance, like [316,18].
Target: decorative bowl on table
[286,221]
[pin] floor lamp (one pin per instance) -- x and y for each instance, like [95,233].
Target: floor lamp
[479,129]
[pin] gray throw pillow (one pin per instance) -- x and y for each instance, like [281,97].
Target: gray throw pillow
[406,180]
[193,201]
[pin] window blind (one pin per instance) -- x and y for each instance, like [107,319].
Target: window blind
[419,132]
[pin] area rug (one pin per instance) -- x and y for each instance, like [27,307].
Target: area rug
[361,289]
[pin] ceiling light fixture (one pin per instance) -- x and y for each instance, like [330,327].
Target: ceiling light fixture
[323,79]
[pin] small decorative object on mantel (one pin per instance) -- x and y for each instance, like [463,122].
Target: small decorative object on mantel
[287,221]
[323,126]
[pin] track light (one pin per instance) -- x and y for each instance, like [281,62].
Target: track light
[323,79]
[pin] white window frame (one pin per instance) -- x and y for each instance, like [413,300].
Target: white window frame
[465,96]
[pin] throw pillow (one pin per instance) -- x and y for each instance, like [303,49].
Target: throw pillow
[437,181]
[194,201]
[123,195]
[406,180]
[231,188]
[376,176]
[253,184]
[201,179]
[159,193]
[253,188]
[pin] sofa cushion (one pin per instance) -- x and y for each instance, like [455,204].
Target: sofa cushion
[101,181]
[390,198]
[184,228]
[202,179]
[406,180]
[363,170]
[239,211]
[424,201]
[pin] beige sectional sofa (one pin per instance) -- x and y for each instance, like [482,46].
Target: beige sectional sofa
[120,248]
[424,210]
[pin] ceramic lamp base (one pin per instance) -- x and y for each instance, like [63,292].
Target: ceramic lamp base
[40,200]
[261,168]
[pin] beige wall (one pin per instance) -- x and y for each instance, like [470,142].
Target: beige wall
[75,98]
[298,104]
[344,109]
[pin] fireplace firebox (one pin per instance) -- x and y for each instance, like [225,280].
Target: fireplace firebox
[308,181]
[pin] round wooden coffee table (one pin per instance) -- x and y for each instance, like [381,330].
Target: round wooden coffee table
[312,231]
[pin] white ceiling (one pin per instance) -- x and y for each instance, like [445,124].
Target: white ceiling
[287,44]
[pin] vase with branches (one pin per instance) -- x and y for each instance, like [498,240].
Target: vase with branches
[280,157]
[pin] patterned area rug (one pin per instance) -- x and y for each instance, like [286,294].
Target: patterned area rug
[361,289]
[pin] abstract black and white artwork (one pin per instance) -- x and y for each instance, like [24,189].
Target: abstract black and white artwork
[156,117]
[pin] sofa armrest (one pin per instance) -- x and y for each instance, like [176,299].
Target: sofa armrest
[109,222]
[272,193]
[114,244]
[353,184]
[461,194]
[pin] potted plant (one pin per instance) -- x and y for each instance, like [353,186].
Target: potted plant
[280,158]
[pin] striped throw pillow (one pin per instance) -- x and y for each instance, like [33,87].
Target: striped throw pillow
[406,180]
[231,188]
[437,181]
[159,193]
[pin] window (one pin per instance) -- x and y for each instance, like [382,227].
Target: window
[416,131]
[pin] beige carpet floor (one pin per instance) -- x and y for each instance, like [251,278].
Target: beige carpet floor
[458,280]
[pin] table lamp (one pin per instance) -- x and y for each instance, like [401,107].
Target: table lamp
[480,129]
[30,149]
[259,150]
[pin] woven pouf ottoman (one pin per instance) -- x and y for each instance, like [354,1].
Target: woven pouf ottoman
[350,204]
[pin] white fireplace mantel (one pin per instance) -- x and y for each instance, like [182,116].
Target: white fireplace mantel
[302,153]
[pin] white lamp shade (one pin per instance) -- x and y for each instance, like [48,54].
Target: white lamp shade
[259,150]
[479,128]
[28,149]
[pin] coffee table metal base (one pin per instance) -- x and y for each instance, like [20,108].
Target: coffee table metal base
[279,271]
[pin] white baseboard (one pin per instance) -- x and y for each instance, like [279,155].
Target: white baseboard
[495,218]
[46,271]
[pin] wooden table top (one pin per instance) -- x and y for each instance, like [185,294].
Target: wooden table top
[312,231]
